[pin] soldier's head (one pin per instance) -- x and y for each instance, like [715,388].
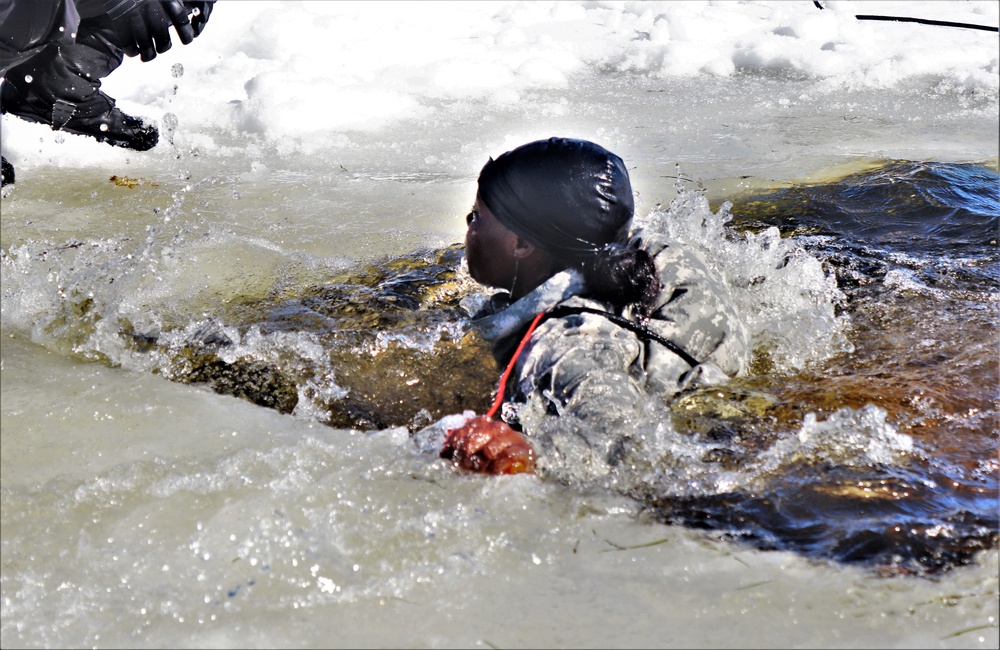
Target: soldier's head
[545,206]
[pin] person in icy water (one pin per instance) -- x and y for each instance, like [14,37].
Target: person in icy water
[54,53]
[603,315]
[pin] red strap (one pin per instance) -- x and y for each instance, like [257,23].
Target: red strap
[510,367]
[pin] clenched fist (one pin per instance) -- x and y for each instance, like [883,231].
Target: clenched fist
[489,446]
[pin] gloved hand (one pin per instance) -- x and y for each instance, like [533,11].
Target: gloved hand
[489,447]
[200,11]
[145,28]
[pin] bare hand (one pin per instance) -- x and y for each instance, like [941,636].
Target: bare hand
[490,447]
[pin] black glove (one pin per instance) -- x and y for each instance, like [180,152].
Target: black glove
[145,28]
[202,10]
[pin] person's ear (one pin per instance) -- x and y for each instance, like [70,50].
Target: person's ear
[523,248]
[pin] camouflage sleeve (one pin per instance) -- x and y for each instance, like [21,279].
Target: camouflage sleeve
[697,312]
[584,382]
[579,384]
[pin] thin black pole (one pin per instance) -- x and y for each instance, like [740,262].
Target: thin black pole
[921,21]
[926,21]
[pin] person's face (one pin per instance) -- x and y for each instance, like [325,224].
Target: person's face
[490,248]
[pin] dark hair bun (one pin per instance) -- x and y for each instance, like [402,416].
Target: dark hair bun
[622,276]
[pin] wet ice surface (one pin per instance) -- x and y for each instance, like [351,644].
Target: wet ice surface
[138,510]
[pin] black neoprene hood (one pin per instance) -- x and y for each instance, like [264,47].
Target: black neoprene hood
[569,197]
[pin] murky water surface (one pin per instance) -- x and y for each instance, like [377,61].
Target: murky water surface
[214,426]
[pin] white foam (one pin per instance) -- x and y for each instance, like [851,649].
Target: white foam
[301,75]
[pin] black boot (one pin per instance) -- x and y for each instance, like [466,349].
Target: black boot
[97,117]
[61,86]
[6,172]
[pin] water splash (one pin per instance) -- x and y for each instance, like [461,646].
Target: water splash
[790,301]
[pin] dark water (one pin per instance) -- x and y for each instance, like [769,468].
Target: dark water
[914,249]
[931,210]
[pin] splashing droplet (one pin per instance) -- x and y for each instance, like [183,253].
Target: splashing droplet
[170,122]
[177,70]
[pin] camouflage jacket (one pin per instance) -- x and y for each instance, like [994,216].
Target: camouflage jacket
[578,387]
